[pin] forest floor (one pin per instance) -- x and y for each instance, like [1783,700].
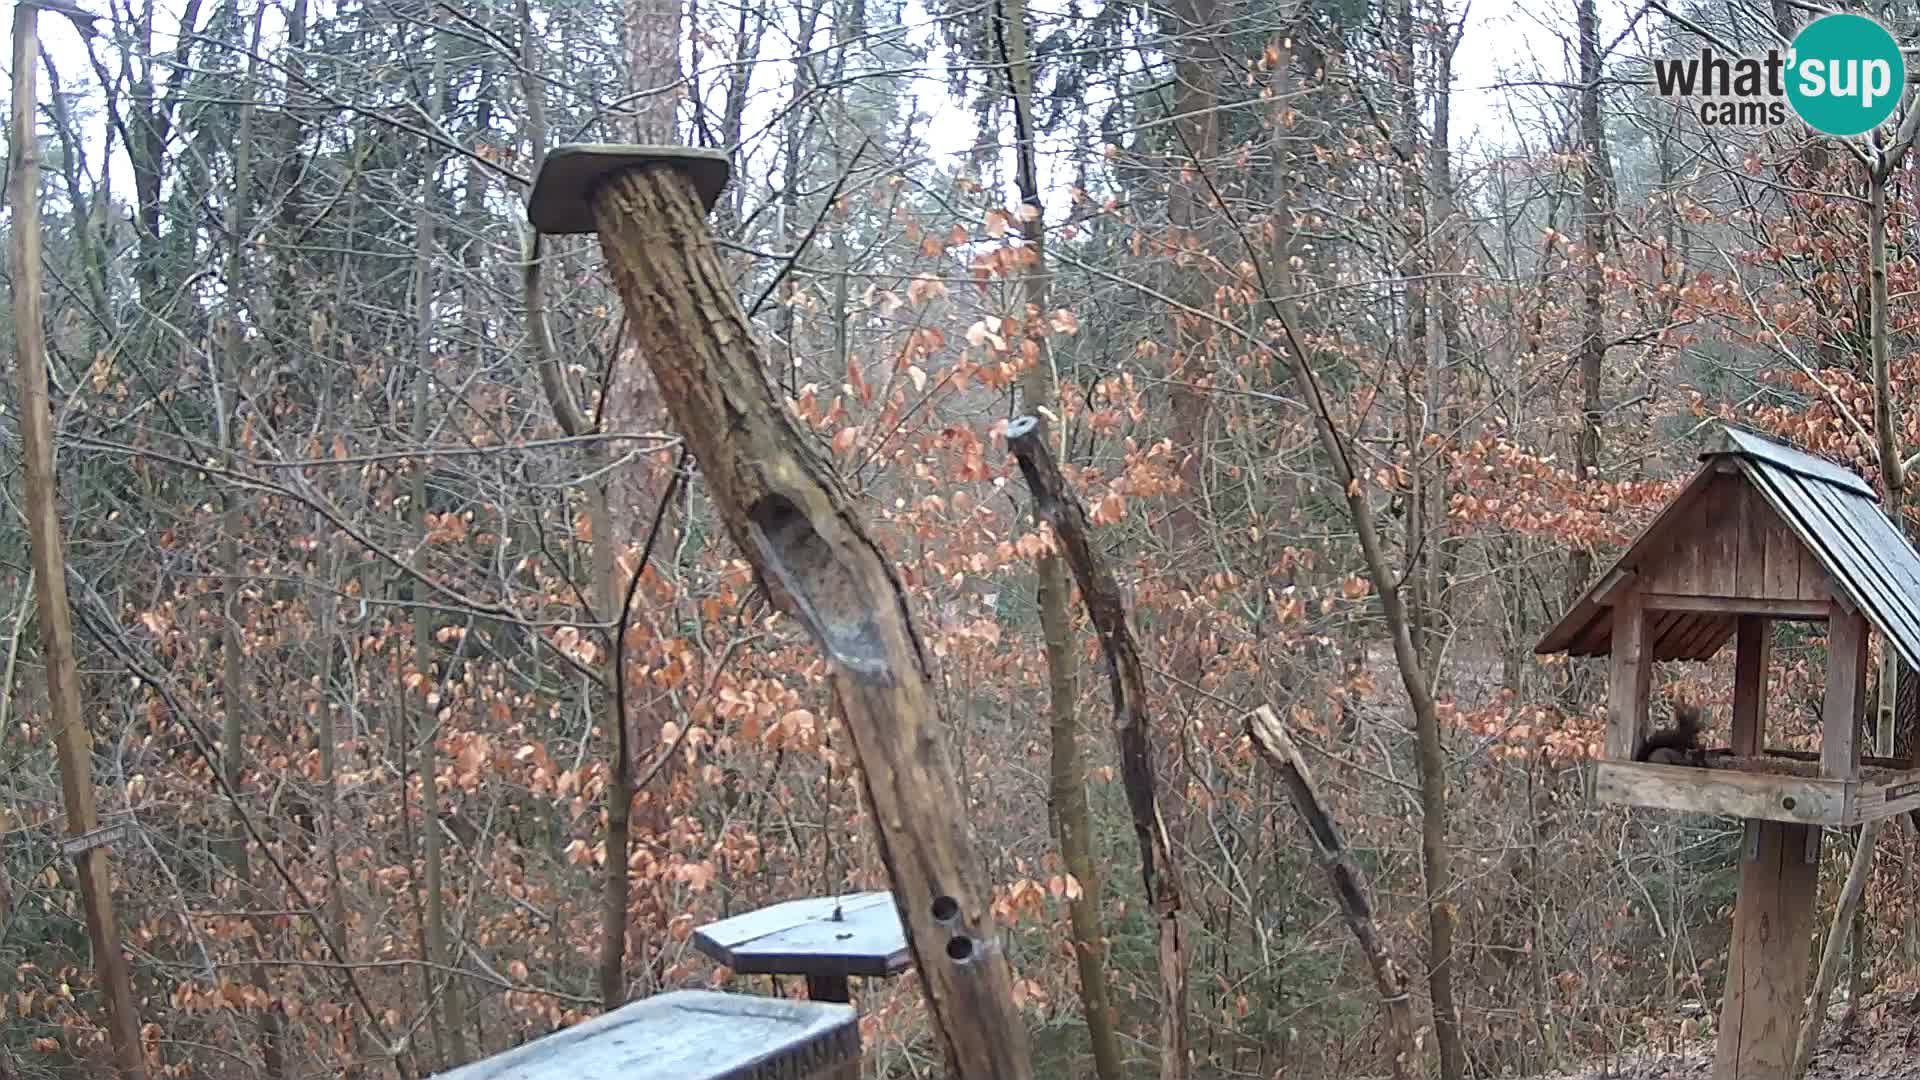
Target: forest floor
[1884,1044]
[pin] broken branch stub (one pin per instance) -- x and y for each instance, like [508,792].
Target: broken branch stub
[784,508]
[1277,749]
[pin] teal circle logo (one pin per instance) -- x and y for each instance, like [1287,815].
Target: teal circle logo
[1845,74]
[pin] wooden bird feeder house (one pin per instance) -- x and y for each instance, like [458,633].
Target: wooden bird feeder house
[1761,533]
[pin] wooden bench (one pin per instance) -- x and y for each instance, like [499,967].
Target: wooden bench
[690,1035]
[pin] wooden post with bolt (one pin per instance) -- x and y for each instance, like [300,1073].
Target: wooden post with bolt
[72,741]
[785,509]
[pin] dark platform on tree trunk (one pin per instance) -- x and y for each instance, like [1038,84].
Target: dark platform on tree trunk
[825,938]
[688,1035]
[562,198]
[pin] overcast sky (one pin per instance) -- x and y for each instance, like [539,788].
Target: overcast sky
[1506,42]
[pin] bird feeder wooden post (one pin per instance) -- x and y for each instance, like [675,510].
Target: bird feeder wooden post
[785,509]
[1762,533]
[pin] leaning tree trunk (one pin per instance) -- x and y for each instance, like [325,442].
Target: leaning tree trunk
[1067,773]
[73,741]
[784,508]
[1108,610]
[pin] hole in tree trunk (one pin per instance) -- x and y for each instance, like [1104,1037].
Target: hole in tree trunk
[820,590]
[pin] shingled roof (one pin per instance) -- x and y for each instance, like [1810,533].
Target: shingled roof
[1834,514]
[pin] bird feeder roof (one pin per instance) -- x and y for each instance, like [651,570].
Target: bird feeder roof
[1765,527]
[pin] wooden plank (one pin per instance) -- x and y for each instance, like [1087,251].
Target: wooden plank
[689,1035]
[1595,637]
[1721,792]
[1783,558]
[1718,542]
[1723,633]
[1630,677]
[1679,563]
[1846,694]
[1698,638]
[1753,650]
[1768,958]
[1754,519]
[1808,610]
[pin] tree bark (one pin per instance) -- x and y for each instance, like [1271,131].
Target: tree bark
[1349,883]
[1593,249]
[444,1009]
[1056,503]
[789,515]
[236,695]
[73,742]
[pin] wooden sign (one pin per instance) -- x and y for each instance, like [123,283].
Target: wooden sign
[75,846]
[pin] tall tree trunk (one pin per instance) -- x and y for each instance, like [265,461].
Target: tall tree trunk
[73,742]
[621,502]
[782,506]
[1594,200]
[1067,770]
[235,693]
[1449,350]
[1435,857]
[1414,351]
[444,1007]
[611,974]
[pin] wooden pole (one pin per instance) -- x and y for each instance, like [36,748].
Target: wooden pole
[1769,956]
[1107,608]
[72,741]
[785,509]
[1773,919]
[1630,669]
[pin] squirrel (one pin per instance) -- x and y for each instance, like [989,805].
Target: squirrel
[1678,744]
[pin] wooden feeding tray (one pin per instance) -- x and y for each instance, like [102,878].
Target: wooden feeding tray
[1775,786]
[689,1035]
[825,938]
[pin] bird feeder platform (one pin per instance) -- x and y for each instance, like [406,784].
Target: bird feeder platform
[1761,533]
[689,1035]
[1772,787]
[825,939]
